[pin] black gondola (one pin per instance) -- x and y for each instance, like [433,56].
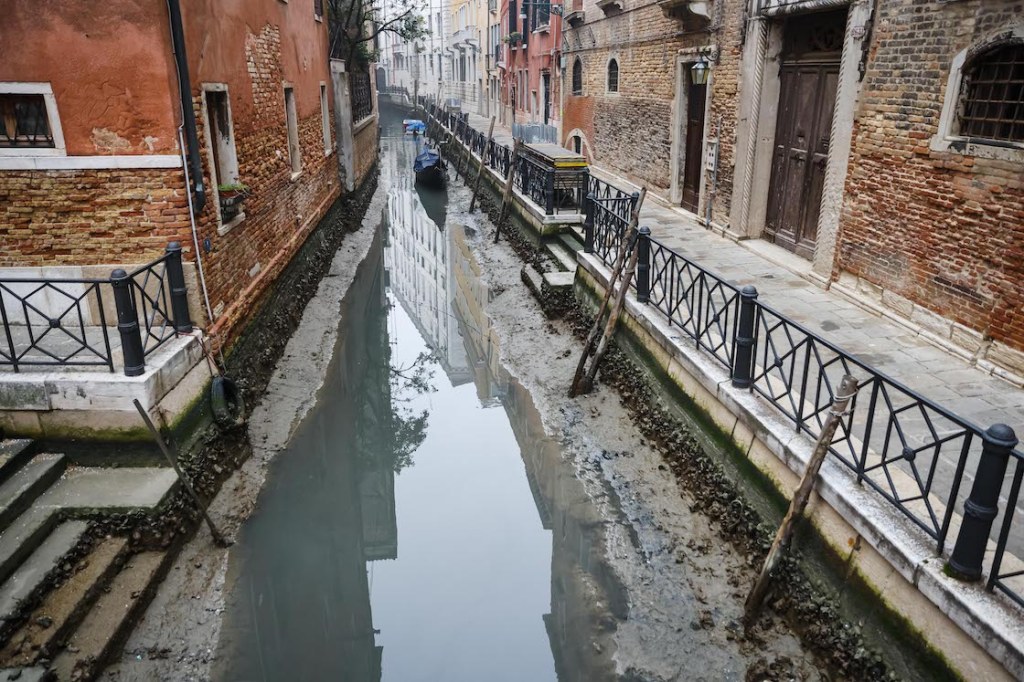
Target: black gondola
[429,168]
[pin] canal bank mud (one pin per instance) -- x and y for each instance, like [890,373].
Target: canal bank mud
[280,373]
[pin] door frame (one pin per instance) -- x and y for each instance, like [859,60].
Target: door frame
[677,133]
[759,101]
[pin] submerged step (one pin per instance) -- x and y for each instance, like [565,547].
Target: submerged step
[109,619]
[14,452]
[566,259]
[559,280]
[42,562]
[63,608]
[22,537]
[25,485]
[24,675]
[111,490]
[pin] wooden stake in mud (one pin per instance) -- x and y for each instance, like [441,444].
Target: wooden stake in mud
[847,389]
[595,329]
[507,196]
[483,162]
[172,459]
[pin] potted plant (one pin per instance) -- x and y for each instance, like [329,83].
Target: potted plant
[514,38]
[231,197]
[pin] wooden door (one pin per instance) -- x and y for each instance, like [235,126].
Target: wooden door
[696,97]
[806,103]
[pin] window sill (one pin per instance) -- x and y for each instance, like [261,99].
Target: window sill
[295,176]
[319,19]
[965,146]
[542,29]
[231,224]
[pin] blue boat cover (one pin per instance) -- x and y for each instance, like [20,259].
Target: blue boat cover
[427,158]
[413,125]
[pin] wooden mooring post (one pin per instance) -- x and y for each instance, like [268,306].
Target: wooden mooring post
[483,162]
[507,196]
[625,254]
[845,393]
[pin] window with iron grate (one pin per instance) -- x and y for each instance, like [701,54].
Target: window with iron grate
[318,9]
[23,121]
[992,97]
[577,76]
[362,95]
[613,75]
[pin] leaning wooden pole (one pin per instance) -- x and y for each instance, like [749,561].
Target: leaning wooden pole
[172,459]
[507,196]
[620,261]
[483,162]
[847,389]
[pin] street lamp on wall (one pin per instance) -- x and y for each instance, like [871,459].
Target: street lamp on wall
[701,68]
[699,71]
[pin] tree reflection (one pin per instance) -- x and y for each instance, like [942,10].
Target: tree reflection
[409,428]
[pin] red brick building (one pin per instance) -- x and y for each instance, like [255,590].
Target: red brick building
[98,155]
[532,35]
[881,141]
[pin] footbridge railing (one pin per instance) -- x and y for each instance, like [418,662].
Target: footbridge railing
[65,322]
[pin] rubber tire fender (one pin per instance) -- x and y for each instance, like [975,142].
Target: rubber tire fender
[226,402]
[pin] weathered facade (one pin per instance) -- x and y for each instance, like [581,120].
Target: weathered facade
[532,36]
[879,140]
[110,183]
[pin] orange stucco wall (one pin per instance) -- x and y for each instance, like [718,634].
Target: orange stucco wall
[110,67]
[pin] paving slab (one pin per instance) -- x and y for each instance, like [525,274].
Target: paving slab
[41,563]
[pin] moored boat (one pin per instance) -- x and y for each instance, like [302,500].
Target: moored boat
[429,168]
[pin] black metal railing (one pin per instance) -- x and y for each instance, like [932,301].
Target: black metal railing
[63,322]
[918,456]
[362,98]
[554,191]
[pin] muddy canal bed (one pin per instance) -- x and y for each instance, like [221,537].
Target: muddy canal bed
[423,502]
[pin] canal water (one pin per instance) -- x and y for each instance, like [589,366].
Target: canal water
[419,525]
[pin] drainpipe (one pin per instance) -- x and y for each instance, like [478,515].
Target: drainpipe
[188,114]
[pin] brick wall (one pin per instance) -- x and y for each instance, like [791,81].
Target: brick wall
[630,131]
[367,143]
[942,229]
[724,94]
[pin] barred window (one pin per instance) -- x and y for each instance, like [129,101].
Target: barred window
[23,121]
[992,99]
[362,95]
[577,77]
[613,75]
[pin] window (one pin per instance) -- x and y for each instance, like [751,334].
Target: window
[220,147]
[540,14]
[992,95]
[362,96]
[325,114]
[318,10]
[577,76]
[291,117]
[613,75]
[29,125]
[23,121]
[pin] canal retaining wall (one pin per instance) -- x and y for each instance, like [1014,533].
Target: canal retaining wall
[976,632]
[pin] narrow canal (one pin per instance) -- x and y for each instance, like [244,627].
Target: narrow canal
[408,530]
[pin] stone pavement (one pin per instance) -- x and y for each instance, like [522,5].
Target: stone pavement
[895,349]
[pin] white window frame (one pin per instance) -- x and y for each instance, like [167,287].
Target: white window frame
[325,113]
[291,122]
[215,178]
[948,139]
[52,119]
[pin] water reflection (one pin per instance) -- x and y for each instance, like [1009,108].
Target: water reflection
[500,573]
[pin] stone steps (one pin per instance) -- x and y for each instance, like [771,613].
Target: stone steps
[13,454]
[26,484]
[43,505]
[110,620]
[564,256]
[41,563]
[63,609]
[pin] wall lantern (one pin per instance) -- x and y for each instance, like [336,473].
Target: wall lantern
[699,71]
